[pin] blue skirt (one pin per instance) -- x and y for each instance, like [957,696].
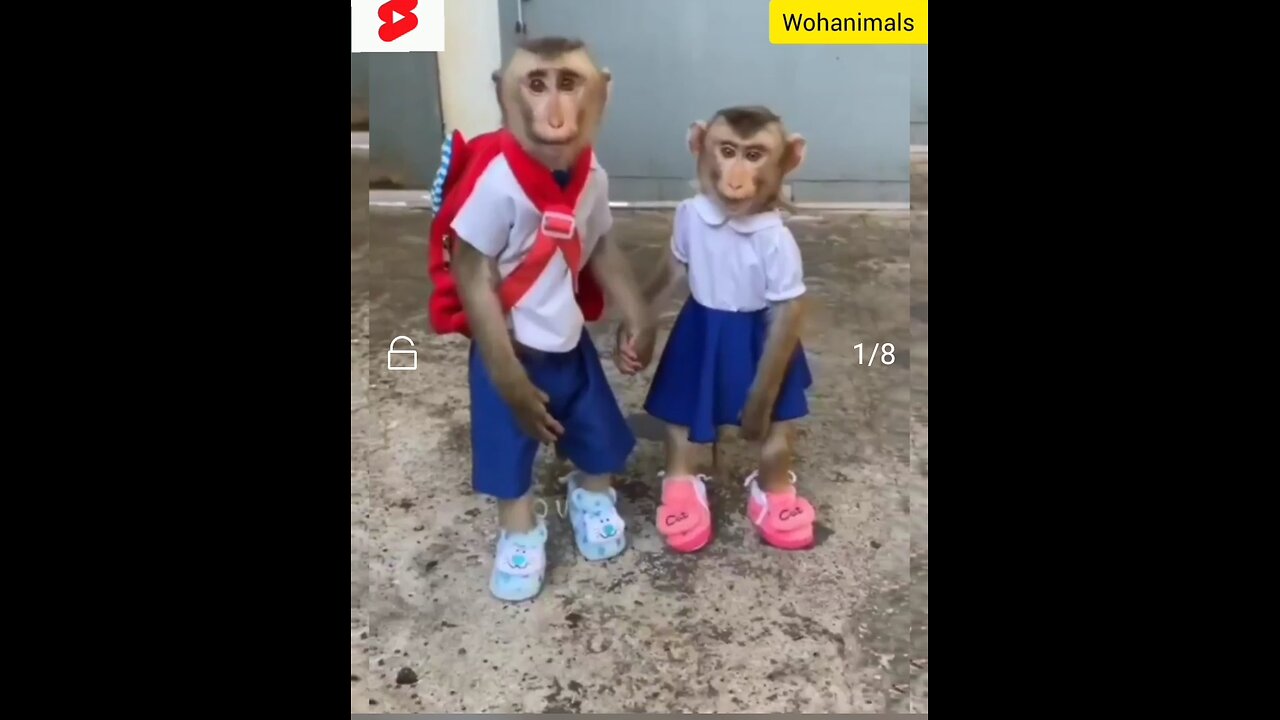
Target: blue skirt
[706,370]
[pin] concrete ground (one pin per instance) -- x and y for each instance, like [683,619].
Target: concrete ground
[735,628]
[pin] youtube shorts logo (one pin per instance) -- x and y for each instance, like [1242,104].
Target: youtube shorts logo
[397,26]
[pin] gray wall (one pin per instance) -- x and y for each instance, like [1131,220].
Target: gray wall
[920,95]
[675,61]
[359,88]
[405,124]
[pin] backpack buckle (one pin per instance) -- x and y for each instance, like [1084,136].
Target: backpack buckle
[558,225]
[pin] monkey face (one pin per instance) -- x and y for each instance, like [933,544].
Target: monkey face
[742,167]
[743,157]
[552,104]
[553,96]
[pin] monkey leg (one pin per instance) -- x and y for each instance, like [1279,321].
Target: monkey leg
[591,483]
[783,518]
[775,459]
[519,564]
[679,451]
[597,483]
[684,517]
[516,516]
[598,441]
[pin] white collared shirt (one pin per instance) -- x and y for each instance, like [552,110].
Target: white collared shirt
[499,220]
[739,264]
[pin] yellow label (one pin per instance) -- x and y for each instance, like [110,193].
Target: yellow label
[849,22]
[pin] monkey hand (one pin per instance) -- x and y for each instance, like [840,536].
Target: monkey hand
[529,405]
[635,348]
[642,342]
[756,415]
[624,356]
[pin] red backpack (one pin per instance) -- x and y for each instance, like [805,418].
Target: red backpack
[461,164]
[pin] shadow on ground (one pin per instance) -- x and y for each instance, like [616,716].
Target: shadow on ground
[736,628]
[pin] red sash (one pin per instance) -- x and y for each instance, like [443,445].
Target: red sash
[557,230]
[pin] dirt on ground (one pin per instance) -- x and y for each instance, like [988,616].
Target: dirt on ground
[738,627]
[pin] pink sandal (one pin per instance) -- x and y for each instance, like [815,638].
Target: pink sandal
[783,519]
[684,518]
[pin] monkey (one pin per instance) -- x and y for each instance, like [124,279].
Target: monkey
[734,355]
[526,226]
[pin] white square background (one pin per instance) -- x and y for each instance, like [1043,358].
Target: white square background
[427,37]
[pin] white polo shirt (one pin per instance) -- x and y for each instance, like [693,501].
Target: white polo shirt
[500,221]
[739,264]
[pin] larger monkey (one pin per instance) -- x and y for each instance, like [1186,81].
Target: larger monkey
[522,232]
[734,355]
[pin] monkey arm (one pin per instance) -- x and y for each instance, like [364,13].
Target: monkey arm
[477,276]
[786,320]
[786,324]
[665,275]
[788,307]
[613,270]
[636,336]
[673,265]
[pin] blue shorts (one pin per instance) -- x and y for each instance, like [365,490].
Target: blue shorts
[597,438]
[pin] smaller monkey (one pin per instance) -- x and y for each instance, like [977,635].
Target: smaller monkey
[734,356]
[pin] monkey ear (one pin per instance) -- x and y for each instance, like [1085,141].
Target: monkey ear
[796,145]
[695,137]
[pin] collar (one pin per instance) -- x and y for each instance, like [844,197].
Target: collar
[713,214]
[536,180]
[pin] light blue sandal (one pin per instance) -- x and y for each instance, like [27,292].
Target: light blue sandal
[520,564]
[598,530]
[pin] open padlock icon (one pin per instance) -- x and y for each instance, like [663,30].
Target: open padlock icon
[393,351]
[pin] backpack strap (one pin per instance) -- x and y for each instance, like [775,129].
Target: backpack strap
[556,233]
